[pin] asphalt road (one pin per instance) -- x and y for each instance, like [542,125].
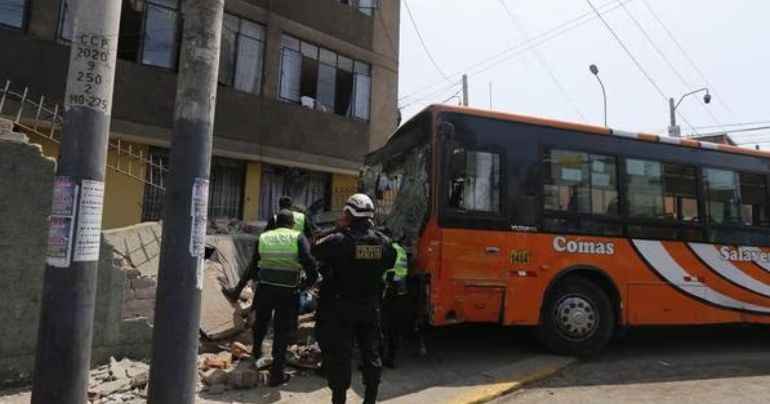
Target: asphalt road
[672,365]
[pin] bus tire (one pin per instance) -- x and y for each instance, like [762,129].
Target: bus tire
[576,318]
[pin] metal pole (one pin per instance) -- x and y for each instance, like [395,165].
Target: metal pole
[604,97]
[63,353]
[180,278]
[673,129]
[465,90]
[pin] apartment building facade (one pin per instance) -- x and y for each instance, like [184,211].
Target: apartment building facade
[307,87]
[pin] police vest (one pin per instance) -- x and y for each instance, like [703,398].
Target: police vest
[299,221]
[402,264]
[279,258]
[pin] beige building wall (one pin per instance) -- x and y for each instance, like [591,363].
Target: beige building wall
[384,115]
[123,195]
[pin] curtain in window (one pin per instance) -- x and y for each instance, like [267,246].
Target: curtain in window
[159,47]
[227,50]
[12,13]
[248,73]
[226,188]
[66,22]
[362,85]
[305,188]
[291,63]
[327,86]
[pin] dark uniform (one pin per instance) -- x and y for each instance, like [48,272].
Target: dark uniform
[356,260]
[280,258]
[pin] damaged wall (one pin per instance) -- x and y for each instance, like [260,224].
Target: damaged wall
[26,179]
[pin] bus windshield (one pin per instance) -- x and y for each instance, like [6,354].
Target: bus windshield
[399,182]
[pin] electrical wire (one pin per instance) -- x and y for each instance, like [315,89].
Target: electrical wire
[543,63]
[422,42]
[666,59]
[727,125]
[636,62]
[687,56]
[543,37]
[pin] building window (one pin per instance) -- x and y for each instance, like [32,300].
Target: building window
[160,31]
[309,190]
[13,13]
[579,182]
[735,198]
[321,79]
[226,185]
[226,188]
[365,6]
[661,191]
[66,21]
[474,180]
[241,60]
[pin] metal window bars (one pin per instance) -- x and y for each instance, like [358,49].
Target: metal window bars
[35,117]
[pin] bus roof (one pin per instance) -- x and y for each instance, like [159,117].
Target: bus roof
[554,123]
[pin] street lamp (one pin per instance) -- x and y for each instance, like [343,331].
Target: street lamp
[595,72]
[673,129]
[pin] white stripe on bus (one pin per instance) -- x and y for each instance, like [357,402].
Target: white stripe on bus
[762,264]
[710,255]
[662,263]
[672,140]
[624,133]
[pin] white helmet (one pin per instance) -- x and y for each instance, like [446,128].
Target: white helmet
[360,206]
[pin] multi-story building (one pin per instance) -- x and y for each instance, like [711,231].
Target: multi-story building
[307,88]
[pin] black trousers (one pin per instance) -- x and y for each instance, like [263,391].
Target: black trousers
[349,320]
[395,317]
[280,305]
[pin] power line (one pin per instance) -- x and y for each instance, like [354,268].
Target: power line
[687,56]
[663,56]
[422,42]
[633,58]
[553,32]
[543,62]
[742,130]
[727,125]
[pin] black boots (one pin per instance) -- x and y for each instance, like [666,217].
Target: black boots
[370,396]
[339,396]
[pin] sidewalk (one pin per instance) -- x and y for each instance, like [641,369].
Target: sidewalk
[464,365]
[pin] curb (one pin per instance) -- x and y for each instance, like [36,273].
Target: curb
[514,379]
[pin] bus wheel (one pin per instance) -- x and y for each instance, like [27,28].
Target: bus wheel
[576,319]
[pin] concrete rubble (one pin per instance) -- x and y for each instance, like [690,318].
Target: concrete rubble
[123,381]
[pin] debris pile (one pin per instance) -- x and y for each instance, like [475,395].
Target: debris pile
[123,381]
[234,368]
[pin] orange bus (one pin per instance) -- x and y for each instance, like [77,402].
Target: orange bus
[577,230]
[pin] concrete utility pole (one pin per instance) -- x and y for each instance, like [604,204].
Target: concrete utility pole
[673,128]
[465,90]
[74,230]
[180,278]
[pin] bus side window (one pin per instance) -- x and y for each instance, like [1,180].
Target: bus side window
[474,180]
[661,191]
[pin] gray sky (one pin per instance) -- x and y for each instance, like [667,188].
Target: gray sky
[727,41]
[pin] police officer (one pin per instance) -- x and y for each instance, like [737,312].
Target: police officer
[356,259]
[395,304]
[281,258]
[301,223]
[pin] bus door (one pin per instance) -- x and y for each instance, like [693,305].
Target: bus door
[475,230]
